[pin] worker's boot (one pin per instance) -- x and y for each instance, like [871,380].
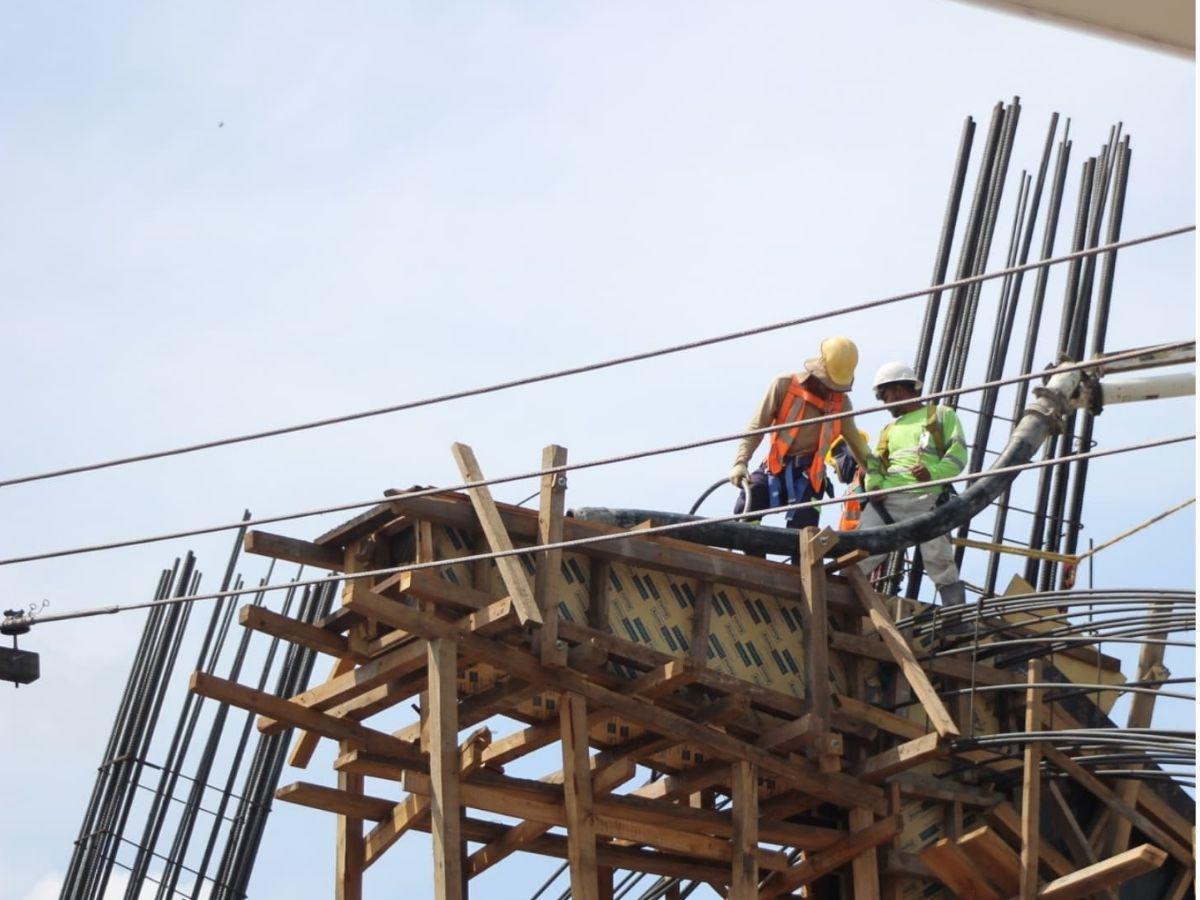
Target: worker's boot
[955,595]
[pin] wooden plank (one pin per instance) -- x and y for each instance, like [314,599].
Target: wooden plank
[930,787]
[577,794]
[657,553]
[1106,874]
[997,861]
[1031,787]
[488,795]
[445,804]
[261,619]
[316,796]
[429,585]
[836,788]
[413,809]
[903,655]
[306,741]
[816,621]
[826,861]
[953,868]
[1109,798]
[516,581]
[695,779]
[263,543]
[349,859]
[1141,714]
[864,867]
[548,580]
[744,883]
[899,758]
[872,647]
[1007,822]
[519,743]
[701,624]
[605,778]
[664,679]
[1068,827]
[298,716]
[879,718]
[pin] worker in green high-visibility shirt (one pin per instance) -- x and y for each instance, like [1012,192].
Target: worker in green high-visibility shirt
[925,443]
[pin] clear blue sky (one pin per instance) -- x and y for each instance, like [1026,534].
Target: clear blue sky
[409,198]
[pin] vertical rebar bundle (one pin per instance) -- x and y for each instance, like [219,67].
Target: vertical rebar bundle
[136,819]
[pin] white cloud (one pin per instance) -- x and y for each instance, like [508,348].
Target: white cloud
[46,888]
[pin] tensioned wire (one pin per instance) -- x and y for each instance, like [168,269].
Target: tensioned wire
[602,538]
[595,366]
[586,464]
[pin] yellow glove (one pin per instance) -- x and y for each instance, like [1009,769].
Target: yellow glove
[738,474]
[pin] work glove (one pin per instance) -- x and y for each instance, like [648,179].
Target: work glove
[738,475]
[873,482]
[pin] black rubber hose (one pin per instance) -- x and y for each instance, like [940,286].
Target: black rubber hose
[1038,422]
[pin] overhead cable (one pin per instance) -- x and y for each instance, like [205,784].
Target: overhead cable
[594,366]
[603,538]
[568,467]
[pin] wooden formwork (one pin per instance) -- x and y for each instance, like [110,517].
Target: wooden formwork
[787,690]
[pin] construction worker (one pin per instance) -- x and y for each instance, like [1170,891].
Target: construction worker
[851,474]
[924,443]
[794,470]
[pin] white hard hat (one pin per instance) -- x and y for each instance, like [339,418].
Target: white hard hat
[895,373]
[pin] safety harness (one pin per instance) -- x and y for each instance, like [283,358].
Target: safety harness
[793,408]
[933,424]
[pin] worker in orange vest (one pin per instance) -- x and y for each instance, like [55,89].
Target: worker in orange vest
[794,470]
[851,474]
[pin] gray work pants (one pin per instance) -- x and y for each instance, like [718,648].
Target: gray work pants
[937,553]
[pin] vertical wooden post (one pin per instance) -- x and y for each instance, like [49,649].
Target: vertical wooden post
[701,624]
[549,562]
[865,866]
[577,792]
[1141,713]
[444,801]
[1032,788]
[350,846]
[744,885]
[604,877]
[816,624]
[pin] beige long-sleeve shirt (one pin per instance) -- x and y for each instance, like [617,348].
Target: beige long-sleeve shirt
[805,441]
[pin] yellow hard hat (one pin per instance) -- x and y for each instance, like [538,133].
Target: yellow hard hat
[834,368]
[837,442]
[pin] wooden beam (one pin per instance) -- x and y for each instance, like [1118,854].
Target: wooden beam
[1031,787]
[334,800]
[744,883]
[930,787]
[259,618]
[825,861]
[413,809]
[605,778]
[838,789]
[1007,822]
[879,718]
[658,553]
[903,655]
[516,581]
[577,793]
[1106,874]
[998,862]
[899,758]
[350,847]
[547,582]
[864,867]
[813,543]
[701,625]
[263,543]
[445,805]
[954,868]
[300,717]
[1141,714]
[664,679]
[1110,799]
[306,741]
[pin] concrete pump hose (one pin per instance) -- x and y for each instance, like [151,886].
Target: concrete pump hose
[1040,420]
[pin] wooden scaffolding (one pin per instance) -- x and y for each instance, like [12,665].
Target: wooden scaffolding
[788,691]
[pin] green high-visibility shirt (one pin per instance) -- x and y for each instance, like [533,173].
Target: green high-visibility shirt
[908,442]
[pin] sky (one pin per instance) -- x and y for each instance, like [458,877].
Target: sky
[225,217]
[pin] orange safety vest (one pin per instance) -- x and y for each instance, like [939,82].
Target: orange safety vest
[852,508]
[792,409]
